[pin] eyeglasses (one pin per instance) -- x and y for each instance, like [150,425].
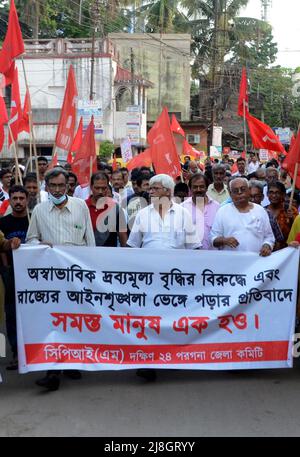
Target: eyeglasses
[238,190]
[57,186]
[157,188]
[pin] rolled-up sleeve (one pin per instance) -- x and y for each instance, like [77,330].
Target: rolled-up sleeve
[89,236]
[33,233]
[269,238]
[217,229]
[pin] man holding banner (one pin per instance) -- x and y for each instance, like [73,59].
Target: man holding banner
[62,220]
[163,224]
[241,225]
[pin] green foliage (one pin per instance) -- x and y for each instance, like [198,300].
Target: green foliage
[106,150]
[273,96]
[252,43]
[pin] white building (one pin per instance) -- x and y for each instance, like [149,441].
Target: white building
[47,63]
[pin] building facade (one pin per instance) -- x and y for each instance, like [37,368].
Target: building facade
[164,60]
[116,91]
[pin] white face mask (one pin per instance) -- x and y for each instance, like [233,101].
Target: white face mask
[57,201]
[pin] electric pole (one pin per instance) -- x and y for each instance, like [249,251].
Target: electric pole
[265,9]
[132,74]
[96,16]
[213,116]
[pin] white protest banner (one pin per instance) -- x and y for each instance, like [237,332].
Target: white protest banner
[126,150]
[217,136]
[234,154]
[263,155]
[109,308]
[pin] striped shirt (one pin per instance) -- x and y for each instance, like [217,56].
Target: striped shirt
[70,225]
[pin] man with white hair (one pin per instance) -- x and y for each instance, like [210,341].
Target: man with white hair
[242,225]
[163,224]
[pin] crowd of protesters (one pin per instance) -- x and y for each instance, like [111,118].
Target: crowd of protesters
[208,207]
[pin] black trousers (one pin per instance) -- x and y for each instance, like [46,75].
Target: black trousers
[7,274]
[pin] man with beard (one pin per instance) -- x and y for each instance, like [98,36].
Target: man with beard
[140,198]
[218,190]
[108,219]
[31,185]
[14,225]
[202,208]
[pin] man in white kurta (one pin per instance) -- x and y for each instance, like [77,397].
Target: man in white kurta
[242,225]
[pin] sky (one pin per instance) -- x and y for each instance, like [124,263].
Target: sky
[284,17]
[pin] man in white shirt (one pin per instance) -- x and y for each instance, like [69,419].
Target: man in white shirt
[202,208]
[253,164]
[242,225]
[42,168]
[218,190]
[271,175]
[241,165]
[6,177]
[62,220]
[163,224]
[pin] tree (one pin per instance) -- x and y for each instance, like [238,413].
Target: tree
[161,16]
[252,43]
[272,97]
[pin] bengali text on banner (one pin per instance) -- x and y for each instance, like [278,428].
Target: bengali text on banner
[112,309]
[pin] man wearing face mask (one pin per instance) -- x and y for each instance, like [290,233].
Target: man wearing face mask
[62,220]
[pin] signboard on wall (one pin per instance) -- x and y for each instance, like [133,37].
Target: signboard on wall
[133,124]
[89,108]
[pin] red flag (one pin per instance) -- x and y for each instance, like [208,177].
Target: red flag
[3,120]
[8,77]
[243,155]
[189,150]
[16,109]
[292,158]
[76,142]
[243,97]
[86,158]
[234,168]
[66,126]
[13,44]
[263,136]
[176,127]
[141,160]
[293,139]
[162,146]
[53,163]
[114,164]
[24,125]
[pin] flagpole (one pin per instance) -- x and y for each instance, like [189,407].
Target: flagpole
[91,167]
[18,171]
[32,136]
[30,153]
[245,129]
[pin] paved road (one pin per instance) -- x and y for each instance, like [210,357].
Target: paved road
[179,403]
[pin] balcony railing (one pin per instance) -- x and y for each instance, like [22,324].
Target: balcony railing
[68,46]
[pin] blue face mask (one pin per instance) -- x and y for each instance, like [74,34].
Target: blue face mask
[57,201]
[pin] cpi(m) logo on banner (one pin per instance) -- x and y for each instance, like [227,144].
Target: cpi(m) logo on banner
[2,345]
